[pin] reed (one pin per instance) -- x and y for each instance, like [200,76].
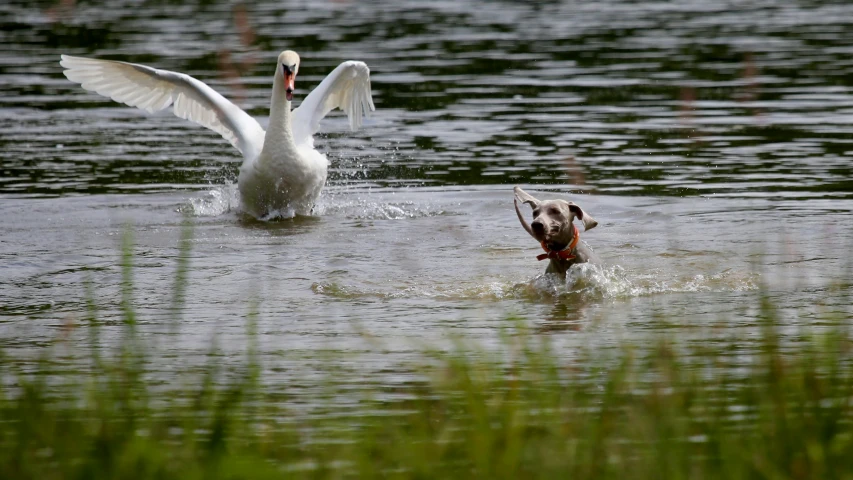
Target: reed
[676,410]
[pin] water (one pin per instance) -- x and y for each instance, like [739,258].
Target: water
[711,140]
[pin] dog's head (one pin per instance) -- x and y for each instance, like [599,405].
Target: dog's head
[552,219]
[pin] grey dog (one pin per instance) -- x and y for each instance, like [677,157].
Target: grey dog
[552,227]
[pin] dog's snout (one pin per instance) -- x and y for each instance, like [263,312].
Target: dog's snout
[538,227]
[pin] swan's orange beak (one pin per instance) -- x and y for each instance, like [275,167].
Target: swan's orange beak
[289,84]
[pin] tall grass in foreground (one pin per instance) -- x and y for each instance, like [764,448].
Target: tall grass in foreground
[673,411]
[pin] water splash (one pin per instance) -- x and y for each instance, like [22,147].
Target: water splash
[217,201]
[585,282]
[600,281]
[225,198]
[359,208]
[595,282]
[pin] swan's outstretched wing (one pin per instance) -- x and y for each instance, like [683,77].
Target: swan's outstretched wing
[152,90]
[347,88]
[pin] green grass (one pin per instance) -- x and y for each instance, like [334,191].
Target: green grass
[669,410]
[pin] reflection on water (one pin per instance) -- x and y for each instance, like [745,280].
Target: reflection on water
[715,137]
[678,98]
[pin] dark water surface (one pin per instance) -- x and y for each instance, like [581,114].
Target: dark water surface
[712,140]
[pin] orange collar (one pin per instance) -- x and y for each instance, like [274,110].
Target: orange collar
[564,254]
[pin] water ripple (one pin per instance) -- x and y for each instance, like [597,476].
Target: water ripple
[678,98]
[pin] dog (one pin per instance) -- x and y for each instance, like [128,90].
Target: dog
[554,229]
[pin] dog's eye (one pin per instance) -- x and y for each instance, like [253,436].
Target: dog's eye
[554,211]
[536,212]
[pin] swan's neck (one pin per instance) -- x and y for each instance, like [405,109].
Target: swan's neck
[279,137]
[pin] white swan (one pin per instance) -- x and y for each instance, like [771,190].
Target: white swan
[281,170]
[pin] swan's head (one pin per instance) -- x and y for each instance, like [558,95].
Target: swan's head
[288,65]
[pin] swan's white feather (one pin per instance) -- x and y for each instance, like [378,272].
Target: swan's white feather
[281,170]
[151,89]
[347,88]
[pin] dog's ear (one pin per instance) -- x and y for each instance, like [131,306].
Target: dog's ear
[525,197]
[588,221]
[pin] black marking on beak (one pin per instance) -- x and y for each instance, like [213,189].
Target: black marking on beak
[288,72]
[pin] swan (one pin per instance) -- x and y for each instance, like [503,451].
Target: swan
[281,170]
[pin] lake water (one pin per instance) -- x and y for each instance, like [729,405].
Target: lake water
[711,140]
